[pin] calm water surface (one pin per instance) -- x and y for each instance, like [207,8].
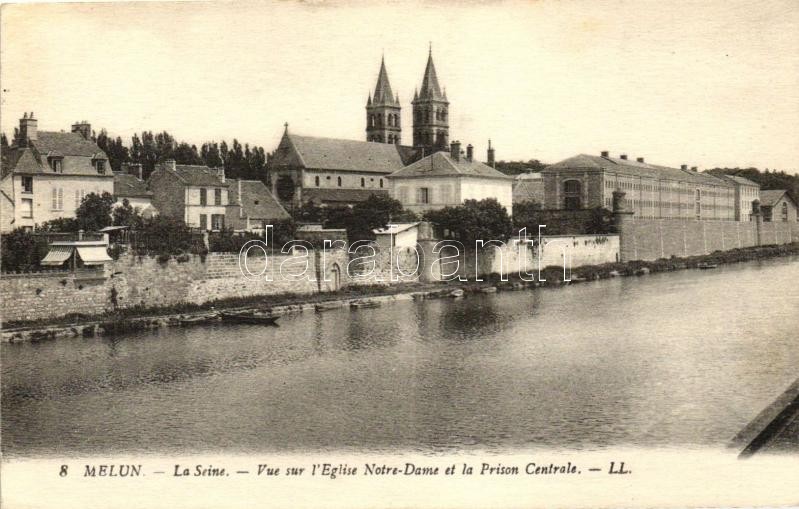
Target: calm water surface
[683,359]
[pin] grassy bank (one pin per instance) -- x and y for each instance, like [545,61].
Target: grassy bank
[125,319]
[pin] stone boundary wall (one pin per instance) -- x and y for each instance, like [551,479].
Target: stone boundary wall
[650,239]
[143,281]
[508,259]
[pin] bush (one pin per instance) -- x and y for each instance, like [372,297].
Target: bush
[22,251]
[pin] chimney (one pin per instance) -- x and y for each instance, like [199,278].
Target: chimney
[623,156]
[490,155]
[238,181]
[683,166]
[28,129]
[469,152]
[136,169]
[605,153]
[455,150]
[220,172]
[169,164]
[693,168]
[640,159]
[83,128]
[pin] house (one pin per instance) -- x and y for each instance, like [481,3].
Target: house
[528,187]
[652,191]
[129,185]
[46,174]
[251,206]
[448,179]
[746,192]
[330,172]
[777,206]
[397,236]
[195,194]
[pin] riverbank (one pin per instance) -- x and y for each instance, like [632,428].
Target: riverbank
[141,318]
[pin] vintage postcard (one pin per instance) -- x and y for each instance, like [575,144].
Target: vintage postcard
[412,254]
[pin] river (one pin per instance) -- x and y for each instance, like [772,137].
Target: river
[683,359]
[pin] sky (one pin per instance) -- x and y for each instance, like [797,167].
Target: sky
[704,83]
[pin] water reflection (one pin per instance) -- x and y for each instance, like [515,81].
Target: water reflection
[682,359]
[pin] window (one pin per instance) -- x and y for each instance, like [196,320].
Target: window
[423,195]
[27,208]
[338,181]
[55,164]
[381,183]
[100,165]
[572,195]
[57,198]
[316,181]
[698,204]
[203,222]
[784,211]
[217,221]
[217,197]
[363,182]
[27,184]
[203,196]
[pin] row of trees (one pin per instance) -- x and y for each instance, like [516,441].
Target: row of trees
[148,149]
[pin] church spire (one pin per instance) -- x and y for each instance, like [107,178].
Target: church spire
[430,111]
[383,93]
[430,87]
[383,112]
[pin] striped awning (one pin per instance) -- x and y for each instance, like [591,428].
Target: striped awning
[57,255]
[93,255]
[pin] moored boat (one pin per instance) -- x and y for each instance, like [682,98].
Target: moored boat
[363,304]
[249,318]
[707,265]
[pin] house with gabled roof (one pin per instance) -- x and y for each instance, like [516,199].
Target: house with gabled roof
[251,206]
[445,179]
[778,206]
[130,187]
[329,171]
[195,194]
[46,174]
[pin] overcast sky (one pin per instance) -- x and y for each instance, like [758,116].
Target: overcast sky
[707,83]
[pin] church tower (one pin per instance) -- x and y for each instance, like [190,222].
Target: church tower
[383,123]
[430,112]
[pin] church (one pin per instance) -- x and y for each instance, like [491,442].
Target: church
[336,172]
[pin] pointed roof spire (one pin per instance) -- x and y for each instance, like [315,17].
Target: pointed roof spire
[430,86]
[383,93]
[369,99]
[415,94]
[286,131]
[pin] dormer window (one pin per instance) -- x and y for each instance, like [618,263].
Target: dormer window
[56,164]
[99,165]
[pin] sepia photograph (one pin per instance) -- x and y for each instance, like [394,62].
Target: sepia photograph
[406,254]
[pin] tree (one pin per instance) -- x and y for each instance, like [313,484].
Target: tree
[285,188]
[94,212]
[126,215]
[59,225]
[21,251]
[527,214]
[519,167]
[377,211]
[473,220]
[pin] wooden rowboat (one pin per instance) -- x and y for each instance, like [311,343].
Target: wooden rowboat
[363,304]
[249,318]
